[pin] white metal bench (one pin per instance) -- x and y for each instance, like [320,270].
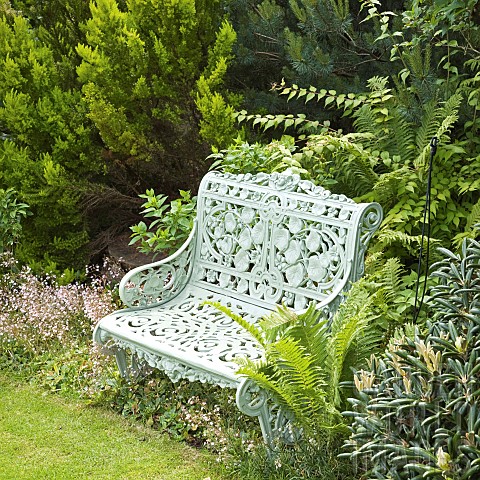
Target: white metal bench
[258,241]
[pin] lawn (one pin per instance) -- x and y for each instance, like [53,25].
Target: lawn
[47,437]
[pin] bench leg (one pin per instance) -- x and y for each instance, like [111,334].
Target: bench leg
[122,363]
[127,364]
[255,402]
[276,426]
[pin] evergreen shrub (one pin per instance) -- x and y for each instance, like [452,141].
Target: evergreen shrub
[416,414]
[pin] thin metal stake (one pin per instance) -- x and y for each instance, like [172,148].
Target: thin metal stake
[425,231]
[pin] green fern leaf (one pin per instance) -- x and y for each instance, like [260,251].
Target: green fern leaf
[474,216]
[252,329]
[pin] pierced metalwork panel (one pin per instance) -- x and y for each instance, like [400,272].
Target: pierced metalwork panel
[199,338]
[276,238]
[159,282]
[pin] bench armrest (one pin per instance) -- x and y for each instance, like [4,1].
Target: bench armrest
[158,282]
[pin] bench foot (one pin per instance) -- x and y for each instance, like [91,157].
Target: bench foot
[127,364]
[276,426]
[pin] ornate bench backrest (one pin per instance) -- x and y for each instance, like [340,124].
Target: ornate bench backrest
[274,238]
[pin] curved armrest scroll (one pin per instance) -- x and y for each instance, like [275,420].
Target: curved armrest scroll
[155,283]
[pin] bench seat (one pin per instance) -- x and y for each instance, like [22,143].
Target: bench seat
[186,338]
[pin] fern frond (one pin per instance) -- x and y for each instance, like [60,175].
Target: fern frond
[252,329]
[387,187]
[429,125]
[302,372]
[400,138]
[278,318]
[366,122]
[282,398]
[437,121]
[301,381]
[313,334]
[359,175]
[378,84]
[388,237]
[390,274]
[351,342]
[474,216]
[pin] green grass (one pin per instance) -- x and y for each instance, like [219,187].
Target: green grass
[47,437]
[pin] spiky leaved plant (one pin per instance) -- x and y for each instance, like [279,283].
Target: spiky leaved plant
[417,412]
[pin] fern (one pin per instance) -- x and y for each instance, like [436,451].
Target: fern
[255,332]
[429,125]
[436,122]
[388,237]
[365,122]
[359,175]
[387,187]
[378,85]
[390,276]
[306,357]
[474,216]
[352,341]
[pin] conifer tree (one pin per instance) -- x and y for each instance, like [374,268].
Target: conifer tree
[46,145]
[99,100]
[149,72]
[322,43]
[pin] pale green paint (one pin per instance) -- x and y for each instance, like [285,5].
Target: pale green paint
[258,241]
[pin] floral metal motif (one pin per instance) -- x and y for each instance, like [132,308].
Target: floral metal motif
[158,282]
[279,239]
[259,240]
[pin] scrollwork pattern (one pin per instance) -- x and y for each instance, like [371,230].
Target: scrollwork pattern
[177,370]
[157,283]
[259,240]
[207,340]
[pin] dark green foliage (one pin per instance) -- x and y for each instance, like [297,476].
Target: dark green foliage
[322,43]
[416,413]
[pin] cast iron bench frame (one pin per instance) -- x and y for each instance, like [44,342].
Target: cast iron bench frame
[258,241]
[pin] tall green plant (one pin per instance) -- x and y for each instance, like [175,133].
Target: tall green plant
[149,69]
[171,224]
[11,214]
